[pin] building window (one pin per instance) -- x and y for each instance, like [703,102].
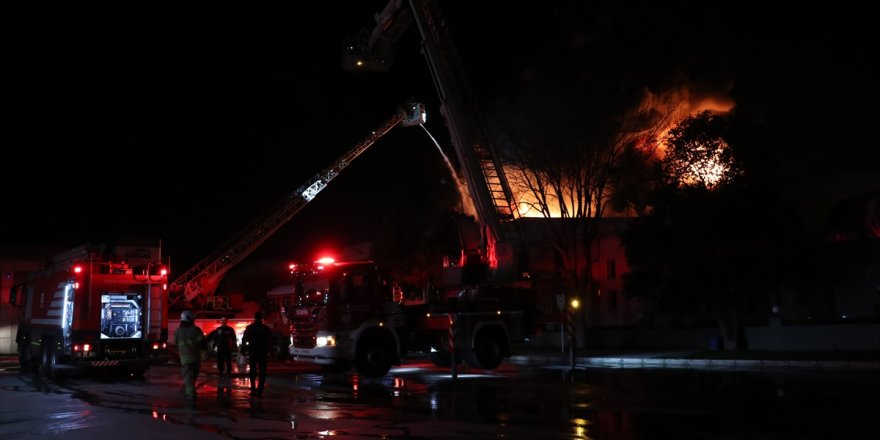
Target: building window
[612,269]
[612,301]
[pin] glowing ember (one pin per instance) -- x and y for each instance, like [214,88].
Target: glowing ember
[696,154]
[707,171]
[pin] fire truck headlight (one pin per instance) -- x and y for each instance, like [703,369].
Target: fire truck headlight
[325,341]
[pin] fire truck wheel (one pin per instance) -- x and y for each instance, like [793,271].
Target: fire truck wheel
[373,357]
[489,348]
[47,359]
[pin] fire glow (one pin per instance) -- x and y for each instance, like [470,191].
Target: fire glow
[677,106]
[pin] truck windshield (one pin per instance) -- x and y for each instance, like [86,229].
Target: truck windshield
[313,292]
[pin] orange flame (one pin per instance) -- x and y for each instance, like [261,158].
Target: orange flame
[675,105]
[680,104]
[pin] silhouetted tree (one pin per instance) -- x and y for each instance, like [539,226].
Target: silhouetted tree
[714,247]
[577,144]
[697,154]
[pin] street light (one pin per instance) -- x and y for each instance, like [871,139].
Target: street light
[574,303]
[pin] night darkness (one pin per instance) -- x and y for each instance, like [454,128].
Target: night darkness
[185,122]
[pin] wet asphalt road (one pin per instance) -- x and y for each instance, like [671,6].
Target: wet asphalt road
[419,401]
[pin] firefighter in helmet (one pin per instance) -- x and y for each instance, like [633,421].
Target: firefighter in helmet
[190,341]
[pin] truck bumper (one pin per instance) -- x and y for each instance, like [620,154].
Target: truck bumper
[320,356]
[134,364]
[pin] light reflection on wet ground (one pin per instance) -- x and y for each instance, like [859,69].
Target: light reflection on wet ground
[421,401]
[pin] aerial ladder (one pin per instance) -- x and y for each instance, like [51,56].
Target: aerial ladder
[484,174]
[194,287]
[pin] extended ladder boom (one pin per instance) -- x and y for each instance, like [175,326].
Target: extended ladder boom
[486,181]
[485,176]
[200,282]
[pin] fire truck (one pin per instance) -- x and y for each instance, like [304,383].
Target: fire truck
[195,288]
[345,313]
[95,308]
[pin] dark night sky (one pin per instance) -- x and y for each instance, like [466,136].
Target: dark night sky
[185,122]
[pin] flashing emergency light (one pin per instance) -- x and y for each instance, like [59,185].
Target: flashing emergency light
[326,260]
[163,271]
[77,269]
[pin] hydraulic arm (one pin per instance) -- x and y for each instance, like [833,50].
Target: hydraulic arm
[197,284]
[484,174]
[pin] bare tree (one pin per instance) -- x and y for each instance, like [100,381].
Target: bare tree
[578,150]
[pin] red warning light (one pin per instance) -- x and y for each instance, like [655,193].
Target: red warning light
[326,260]
[163,271]
[77,269]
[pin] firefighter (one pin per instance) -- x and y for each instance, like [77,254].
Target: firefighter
[190,341]
[257,340]
[223,338]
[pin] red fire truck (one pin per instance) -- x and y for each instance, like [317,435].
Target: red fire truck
[347,314]
[95,308]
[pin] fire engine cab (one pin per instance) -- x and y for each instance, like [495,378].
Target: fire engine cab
[342,313]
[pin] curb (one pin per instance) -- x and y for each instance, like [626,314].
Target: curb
[725,364]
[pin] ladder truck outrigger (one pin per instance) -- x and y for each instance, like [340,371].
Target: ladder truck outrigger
[485,307]
[196,287]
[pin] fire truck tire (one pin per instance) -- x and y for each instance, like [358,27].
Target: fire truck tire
[48,359]
[374,355]
[489,349]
